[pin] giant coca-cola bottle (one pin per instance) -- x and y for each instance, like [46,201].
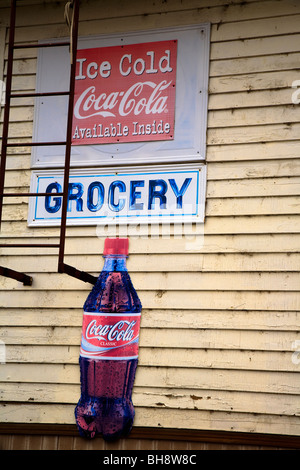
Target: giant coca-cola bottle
[109,348]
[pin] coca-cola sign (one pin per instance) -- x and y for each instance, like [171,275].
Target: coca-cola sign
[145,102]
[125,93]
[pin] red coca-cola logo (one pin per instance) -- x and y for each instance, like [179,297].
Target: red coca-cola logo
[125,93]
[110,335]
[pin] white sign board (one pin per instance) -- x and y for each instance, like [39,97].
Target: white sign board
[135,80]
[123,195]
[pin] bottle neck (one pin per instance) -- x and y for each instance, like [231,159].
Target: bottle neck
[114,263]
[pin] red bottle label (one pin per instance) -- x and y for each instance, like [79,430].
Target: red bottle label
[110,335]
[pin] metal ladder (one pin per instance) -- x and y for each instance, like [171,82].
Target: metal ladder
[62,266]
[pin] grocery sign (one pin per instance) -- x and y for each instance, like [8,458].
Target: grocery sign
[125,93]
[121,196]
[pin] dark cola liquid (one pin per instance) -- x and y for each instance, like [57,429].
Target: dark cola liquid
[105,406]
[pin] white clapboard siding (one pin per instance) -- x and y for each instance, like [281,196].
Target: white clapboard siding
[180,338]
[254,65]
[162,418]
[224,300]
[189,399]
[219,343]
[169,377]
[225,170]
[181,357]
[194,243]
[287,281]
[220,262]
[228,225]
[156,318]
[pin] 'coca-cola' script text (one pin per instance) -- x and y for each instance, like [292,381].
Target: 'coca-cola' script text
[110,335]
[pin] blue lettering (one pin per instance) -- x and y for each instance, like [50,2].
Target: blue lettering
[75,196]
[96,185]
[179,193]
[52,208]
[160,194]
[135,195]
[116,207]
[97,195]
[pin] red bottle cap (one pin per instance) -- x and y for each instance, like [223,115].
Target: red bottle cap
[116,246]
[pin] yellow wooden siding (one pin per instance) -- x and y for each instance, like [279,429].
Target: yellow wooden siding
[220,324]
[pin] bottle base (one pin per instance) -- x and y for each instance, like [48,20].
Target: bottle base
[111,418]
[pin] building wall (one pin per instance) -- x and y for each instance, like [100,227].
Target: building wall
[219,337]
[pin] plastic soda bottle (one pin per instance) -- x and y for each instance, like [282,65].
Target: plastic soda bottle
[109,349]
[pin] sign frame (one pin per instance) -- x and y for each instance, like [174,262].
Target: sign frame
[189,143]
[35,219]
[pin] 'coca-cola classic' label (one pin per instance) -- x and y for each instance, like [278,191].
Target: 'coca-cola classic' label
[110,335]
[125,93]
